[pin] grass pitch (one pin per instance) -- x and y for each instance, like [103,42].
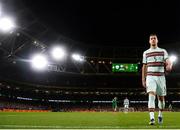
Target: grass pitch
[85,120]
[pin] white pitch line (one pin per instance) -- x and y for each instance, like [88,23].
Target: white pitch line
[85,127]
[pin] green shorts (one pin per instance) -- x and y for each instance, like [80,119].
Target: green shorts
[114,106]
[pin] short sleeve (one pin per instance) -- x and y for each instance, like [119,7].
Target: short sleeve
[144,61]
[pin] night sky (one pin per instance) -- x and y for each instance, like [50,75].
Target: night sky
[123,23]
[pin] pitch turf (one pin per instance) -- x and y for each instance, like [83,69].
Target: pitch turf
[89,120]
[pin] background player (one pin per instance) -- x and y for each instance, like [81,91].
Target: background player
[126,104]
[114,103]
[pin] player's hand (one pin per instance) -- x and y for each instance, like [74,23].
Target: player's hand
[168,65]
[168,68]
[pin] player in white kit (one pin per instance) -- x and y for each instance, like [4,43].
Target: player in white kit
[155,63]
[126,104]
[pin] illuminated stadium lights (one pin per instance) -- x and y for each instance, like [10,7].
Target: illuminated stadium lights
[99,62]
[173,58]
[77,57]
[39,62]
[58,53]
[6,24]
[92,61]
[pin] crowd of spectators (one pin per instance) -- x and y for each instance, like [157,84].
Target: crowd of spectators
[72,106]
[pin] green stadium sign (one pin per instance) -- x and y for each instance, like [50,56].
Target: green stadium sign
[121,67]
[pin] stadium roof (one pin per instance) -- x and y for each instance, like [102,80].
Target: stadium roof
[110,22]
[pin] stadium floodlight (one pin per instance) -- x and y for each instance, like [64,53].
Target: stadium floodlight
[58,53]
[6,24]
[39,62]
[173,58]
[78,57]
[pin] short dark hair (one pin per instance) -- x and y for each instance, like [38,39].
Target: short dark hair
[153,34]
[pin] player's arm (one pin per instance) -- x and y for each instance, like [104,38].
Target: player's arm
[144,71]
[168,65]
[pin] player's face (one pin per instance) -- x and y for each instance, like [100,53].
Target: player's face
[153,41]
